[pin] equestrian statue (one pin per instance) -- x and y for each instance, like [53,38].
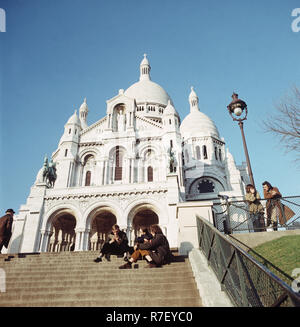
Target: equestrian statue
[49,172]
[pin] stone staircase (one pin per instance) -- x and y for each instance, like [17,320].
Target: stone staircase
[74,279]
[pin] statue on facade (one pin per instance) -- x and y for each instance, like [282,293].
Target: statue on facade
[121,121]
[45,169]
[52,173]
[172,161]
[49,172]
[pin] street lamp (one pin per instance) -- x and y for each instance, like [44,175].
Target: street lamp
[238,111]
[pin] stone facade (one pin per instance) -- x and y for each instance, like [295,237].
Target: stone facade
[133,167]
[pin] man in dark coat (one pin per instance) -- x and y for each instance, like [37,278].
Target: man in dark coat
[5,228]
[117,244]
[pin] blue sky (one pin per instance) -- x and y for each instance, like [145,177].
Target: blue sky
[55,53]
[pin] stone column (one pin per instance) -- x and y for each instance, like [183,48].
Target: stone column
[132,171]
[85,240]
[101,168]
[105,173]
[45,234]
[78,240]
[127,170]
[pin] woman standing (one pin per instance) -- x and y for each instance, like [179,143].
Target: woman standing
[275,210]
[255,208]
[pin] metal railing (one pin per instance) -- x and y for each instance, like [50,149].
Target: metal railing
[246,281]
[235,216]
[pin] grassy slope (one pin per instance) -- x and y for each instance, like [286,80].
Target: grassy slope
[283,252]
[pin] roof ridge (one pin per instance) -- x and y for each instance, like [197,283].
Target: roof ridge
[94,125]
[148,121]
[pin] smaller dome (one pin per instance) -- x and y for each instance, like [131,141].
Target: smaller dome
[84,106]
[197,123]
[74,119]
[170,110]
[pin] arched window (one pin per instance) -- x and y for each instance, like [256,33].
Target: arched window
[198,154]
[88,178]
[66,152]
[220,154]
[150,174]
[216,153]
[204,152]
[206,186]
[118,164]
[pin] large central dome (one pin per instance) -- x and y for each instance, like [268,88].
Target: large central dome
[145,90]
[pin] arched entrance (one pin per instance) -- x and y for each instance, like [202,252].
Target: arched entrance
[145,218]
[142,216]
[62,233]
[101,224]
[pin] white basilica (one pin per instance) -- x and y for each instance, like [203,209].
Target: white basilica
[132,167]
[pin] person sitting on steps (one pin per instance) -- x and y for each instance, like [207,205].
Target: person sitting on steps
[117,244]
[143,234]
[156,251]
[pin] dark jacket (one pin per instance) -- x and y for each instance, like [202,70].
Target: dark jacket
[159,249]
[122,236]
[147,236]
[5,229]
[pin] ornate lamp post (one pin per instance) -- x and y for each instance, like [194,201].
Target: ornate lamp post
[238,111]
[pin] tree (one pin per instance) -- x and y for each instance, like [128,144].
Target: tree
[285,123]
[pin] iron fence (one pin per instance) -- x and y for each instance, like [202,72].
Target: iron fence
[232,216]
[246,281]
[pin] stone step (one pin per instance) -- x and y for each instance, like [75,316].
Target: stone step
[170,302]
[91,266]
[128,276]
[78,264]
[119,293]
[53,269]
[103,287]
[70,261]
[78,254]
[26,266]
[37,261]
[131,279]
[160,281]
